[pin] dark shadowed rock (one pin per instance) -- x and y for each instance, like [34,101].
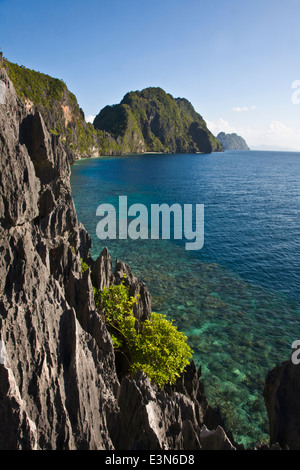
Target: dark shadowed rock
[215,440]
[102,270]
[34,135]
[281,394]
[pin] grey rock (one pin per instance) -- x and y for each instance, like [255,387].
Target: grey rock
[155,420]
[17,430]
[215,440]
[137,289]
[19,186]
[102,270]
[59,385]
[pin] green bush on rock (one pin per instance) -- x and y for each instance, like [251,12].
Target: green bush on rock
[162,351]
[84,266]
[159,349]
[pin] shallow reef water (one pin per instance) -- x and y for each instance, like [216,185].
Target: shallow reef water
[238,320]
[237,330]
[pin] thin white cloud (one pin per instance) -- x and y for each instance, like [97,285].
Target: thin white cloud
[275,134]
[90,118]
[220,125]
[277,127]
[241,109]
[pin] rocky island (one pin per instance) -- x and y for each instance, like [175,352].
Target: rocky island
[152,120]
[60,387]
[232,141]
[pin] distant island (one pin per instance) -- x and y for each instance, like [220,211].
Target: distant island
[232,141]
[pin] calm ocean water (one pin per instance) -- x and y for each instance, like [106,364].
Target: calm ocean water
[237,298]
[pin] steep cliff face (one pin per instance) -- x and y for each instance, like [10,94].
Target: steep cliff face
[151,120]
[59,387]
[61,113]
[55,377]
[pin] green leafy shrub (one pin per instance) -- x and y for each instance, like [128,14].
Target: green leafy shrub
[159,349]
[84,266]
[117,305]
[162,351]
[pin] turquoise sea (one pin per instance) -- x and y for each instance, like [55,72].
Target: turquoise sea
[237,299]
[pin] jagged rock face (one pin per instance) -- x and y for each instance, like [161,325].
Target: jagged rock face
[56,378]
[104,275]
[281,394]
[58,383]
[170,420]
[137,289]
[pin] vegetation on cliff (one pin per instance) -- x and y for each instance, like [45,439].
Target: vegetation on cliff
[61,112]
[152,120]
[145,121]
[158,349]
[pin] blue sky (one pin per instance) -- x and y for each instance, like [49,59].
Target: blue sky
[234,60]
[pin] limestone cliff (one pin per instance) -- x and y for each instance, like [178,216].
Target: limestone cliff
[61,113]
[59,387]
[232,141]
